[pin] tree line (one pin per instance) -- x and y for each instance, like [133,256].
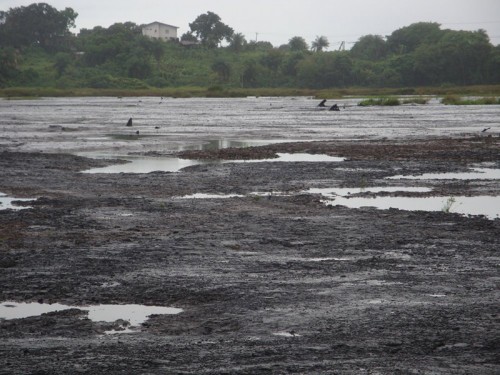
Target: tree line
[37,49]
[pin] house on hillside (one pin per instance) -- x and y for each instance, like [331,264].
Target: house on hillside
[160,30]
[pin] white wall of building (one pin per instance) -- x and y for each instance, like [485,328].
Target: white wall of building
[160,30]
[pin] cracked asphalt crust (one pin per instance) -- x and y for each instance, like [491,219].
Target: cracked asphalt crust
[268,285]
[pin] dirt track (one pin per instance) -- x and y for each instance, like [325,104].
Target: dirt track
[268,285]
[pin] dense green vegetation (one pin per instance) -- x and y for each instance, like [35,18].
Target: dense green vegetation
[457,100]
[38,52]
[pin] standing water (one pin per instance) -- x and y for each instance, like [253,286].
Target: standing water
[98,124]
[134,314]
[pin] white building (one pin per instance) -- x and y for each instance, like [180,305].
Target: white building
[160,30]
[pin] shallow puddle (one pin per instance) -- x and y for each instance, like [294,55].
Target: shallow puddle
[286,334]
[210,196]
[172,164]
[331,192]
[7,202]
[327,259]
[488,206]
[145,165]
[267,194]
[476,174]
[134,314]
[308,158]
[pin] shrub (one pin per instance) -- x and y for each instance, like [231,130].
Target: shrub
[380,101]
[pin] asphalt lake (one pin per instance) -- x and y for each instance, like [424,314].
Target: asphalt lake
[275,268]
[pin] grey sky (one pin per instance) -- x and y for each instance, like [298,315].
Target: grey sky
[279,20]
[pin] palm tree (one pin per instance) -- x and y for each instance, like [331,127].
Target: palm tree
[319,43]
[238,42]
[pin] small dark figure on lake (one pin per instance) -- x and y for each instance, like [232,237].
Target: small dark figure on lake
[334,107]
[322,104]
[129,123]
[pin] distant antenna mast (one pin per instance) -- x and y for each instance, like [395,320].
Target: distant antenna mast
[256,37]
[342,46]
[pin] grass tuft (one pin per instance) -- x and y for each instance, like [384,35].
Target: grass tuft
[448,204]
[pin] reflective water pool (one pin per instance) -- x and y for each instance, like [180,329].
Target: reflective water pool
[210,196]
[7,202]
[134,314]
[99,123]
[488,206]
[332,192]
[476,174]
[142,164]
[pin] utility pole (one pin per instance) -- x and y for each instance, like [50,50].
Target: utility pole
[256,37]
[342,46]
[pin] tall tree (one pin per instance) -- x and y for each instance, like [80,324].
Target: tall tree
[369,47]
[297,44]
[320,43]
[466,54]
[493,65]
[408,38]
[111,44]
[210,30]
[36,24]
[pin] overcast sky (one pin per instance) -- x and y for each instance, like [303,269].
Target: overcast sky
[277,21]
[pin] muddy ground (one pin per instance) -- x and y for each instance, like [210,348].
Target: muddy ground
[268,285]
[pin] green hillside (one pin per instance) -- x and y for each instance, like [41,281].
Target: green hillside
[46,56]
